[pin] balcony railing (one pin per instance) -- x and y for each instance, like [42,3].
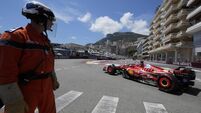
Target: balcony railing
[169,37]
[182,34]
[171,19]
[182,3]
[157,24]
[156,38]
[145,48]
[167,4]
[156,44]
[170,28]
[151,37]
[183,24]
[172,9]
[182,13]
[150,47]
[174,1]
[186,44]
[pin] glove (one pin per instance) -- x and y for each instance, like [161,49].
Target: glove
[19,106]
[12,97]
[55,85]
[55,82]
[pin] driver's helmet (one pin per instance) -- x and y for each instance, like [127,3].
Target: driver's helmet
[38,12]
[141,63]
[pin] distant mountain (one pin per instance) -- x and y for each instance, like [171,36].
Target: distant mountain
[125,36]
[73,46]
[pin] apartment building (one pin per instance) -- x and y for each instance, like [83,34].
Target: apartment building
[168,40]
[194,18]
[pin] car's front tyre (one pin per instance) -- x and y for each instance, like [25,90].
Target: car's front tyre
[111,70]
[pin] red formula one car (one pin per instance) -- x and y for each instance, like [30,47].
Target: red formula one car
[166,80]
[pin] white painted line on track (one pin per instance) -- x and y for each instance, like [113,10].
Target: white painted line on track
[2,109]
[107,104]
[154,108]
[199,80]
[66,99]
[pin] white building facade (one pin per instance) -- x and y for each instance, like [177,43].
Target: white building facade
[194,18]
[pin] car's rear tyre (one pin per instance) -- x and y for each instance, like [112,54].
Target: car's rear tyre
[111,70]
[166,84]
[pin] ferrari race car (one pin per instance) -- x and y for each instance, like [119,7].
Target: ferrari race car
[165,80]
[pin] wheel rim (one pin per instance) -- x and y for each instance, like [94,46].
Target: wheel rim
[165,82]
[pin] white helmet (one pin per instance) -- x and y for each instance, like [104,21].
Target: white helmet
[37,11]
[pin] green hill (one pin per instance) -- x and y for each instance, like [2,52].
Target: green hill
[125,36]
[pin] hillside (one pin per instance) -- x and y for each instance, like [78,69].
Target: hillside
[126,36]
[73,46]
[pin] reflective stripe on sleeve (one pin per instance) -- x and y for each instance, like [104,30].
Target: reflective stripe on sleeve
[23,45]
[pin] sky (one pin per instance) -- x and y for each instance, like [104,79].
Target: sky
[85,21]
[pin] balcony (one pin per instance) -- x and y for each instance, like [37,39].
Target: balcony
[183,24]
[151,37]
[145,48]
[172,9]
[194,13]
[157,18]
[169,37]
[182,3]
[156,44]
[155,38]
[145,45]
[168,3]
[170,28]
[162,14]
[195,28]
[171,19]
[157,32]
[150,42]
[149,47]
[154,26]
[162,23]
[157,24]
[184,44]
[182,14]
[174,1]
[170,45]
[181,34]
[192,3]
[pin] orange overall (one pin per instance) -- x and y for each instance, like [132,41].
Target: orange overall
[22,50]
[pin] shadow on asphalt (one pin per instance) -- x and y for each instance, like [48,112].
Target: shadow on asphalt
[190,90]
